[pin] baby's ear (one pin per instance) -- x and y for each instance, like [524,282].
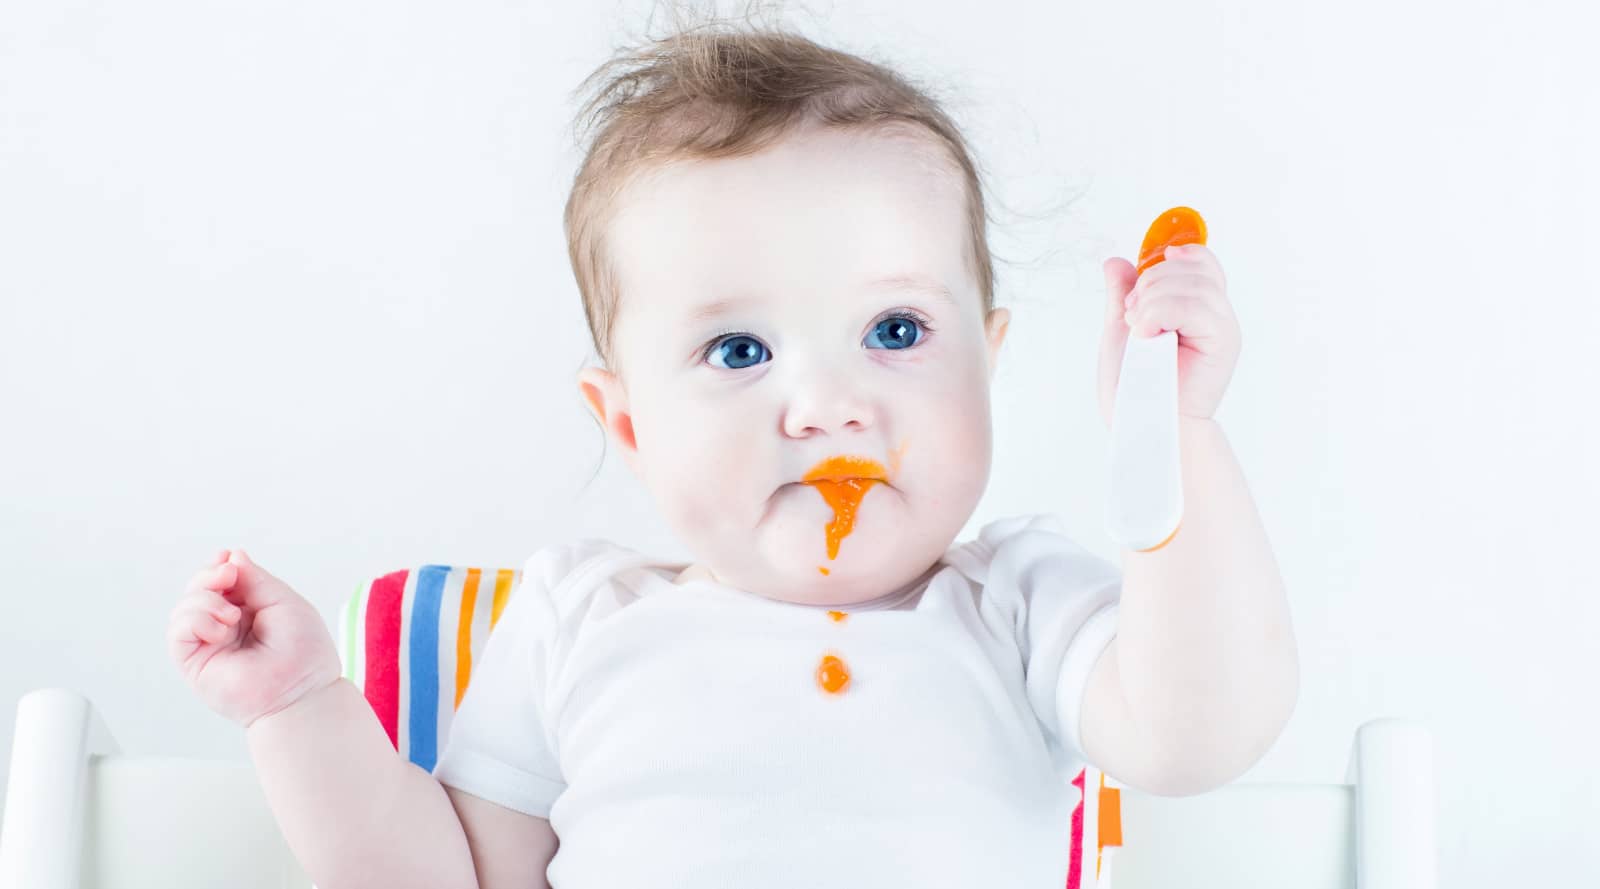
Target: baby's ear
[608,402]
[999,321]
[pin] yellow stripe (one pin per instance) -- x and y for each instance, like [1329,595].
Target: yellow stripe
[502,591]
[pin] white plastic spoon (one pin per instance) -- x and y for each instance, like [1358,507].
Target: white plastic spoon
[1146,500]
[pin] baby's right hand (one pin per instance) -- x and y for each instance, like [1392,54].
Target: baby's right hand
[247,643]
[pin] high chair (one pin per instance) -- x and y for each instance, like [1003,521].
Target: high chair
[80,812]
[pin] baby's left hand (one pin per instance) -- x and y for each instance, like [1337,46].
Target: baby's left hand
[1185,292]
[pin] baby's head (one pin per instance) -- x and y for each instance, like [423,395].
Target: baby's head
[782,254]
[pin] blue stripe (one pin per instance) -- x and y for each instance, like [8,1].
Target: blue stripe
[424,715]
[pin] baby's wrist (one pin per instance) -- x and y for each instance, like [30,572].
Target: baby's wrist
[298,698]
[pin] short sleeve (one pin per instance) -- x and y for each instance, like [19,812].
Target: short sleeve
[1066,617]
[499,747]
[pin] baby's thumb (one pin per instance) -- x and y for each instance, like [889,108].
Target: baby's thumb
[256,587]
[1121,276]
[1120,279]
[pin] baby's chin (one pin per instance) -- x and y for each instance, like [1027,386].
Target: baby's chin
[878,554]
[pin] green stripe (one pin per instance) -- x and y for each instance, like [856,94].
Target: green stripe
[352,613]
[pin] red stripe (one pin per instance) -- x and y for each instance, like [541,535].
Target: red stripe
[382,684]
[1075,864]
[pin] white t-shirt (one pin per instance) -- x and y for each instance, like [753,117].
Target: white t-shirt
[677,736]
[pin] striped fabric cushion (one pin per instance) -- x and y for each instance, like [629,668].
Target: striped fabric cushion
[409,638]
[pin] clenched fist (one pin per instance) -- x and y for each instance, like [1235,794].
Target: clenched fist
[247,643]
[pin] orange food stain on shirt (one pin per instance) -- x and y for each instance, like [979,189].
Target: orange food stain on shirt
[832,674]
[838,616]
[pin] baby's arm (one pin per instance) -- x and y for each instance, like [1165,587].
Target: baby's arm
[512,850]
[353,812]
[1205,657]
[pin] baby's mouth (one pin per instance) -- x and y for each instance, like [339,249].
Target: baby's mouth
[842,481]
[846,468]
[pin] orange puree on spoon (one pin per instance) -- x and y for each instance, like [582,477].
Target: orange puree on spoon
[1180,225]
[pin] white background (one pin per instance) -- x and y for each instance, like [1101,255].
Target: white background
[291,277]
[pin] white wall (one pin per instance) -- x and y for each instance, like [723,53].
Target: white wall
[292,278]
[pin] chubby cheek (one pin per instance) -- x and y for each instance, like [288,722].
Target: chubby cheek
[701,465]
[953,434]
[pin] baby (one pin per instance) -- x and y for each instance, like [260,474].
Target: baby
[781,251]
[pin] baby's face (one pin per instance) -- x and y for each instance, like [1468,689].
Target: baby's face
[807,302]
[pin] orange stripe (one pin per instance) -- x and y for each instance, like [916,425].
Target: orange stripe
[469,599]
[1110,815]
[502,591]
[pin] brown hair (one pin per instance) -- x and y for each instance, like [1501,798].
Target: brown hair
[713,92]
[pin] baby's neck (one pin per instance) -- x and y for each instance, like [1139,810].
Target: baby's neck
[697,572]
[694,571]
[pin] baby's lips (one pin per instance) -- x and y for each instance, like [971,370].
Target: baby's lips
[842,467]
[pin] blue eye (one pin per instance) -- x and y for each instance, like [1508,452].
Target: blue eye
[898,331]
[738,351]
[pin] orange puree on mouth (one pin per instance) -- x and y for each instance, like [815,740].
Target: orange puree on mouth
[842,482]
[832,674]
[845,498]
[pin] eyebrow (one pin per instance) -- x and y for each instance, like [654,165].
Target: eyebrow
[893,284]
[914,284]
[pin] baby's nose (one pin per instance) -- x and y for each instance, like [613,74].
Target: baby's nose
[828,407]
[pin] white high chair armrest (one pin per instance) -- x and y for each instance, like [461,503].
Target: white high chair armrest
[41,834]
[1391,768]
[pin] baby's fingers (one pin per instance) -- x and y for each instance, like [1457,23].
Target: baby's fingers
[209,628]
[204,616]
[216,578]
[189,632]
[212,603]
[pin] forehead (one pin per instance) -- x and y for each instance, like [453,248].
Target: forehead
[818,212]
